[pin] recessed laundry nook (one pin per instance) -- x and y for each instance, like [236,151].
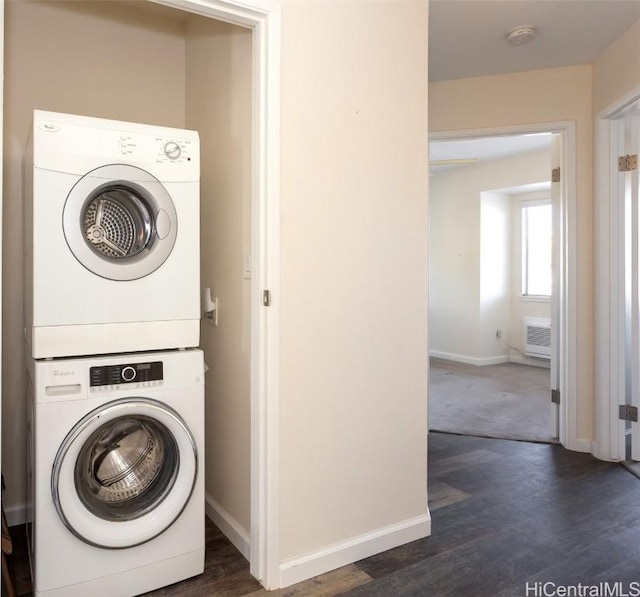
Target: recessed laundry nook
[143,63]
[297,392]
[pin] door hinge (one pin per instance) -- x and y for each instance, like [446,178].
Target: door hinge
[555,396]
[628,413]
[555,174]
[266,298]
[627,163]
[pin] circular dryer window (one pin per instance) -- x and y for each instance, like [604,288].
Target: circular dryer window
[124,473]
[119,222]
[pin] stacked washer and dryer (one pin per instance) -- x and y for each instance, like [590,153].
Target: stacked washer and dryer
[116,385]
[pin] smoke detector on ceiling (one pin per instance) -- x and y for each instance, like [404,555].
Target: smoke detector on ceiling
[521,34]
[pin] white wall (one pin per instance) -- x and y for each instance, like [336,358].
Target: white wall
[218,94]
[84,58]
[495,275]
[353,428]
[540,96]
[463,321]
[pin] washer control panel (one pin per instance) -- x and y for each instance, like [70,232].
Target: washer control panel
[136,373]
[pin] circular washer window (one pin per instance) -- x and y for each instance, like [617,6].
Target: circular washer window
[119,222]
[126,467]
[124,473]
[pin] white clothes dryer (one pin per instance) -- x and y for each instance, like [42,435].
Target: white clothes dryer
[112,229]
[115,483]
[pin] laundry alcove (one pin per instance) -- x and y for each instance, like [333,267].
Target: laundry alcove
[141,62]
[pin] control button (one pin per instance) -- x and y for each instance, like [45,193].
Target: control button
[128,373]
[172,150]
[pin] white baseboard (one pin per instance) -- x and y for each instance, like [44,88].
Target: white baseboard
[352,550]
[461,358]
[228,525]
[496,360]
[16,514]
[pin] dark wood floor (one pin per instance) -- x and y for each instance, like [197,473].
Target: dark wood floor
[504,513]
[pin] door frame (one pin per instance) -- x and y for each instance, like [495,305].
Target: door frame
[566,298]
[262,17]
[609,433]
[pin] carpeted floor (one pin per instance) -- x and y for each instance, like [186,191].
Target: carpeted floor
[503,401]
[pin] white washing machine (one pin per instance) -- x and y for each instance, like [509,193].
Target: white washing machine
[115,484]
[112,229]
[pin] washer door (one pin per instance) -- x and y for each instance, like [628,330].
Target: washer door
[124,473]
[119,222]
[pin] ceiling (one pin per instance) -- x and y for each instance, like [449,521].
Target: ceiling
[467,38]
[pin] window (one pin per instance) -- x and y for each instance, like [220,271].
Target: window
[536,248]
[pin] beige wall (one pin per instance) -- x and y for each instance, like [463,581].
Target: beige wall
[616,72]
[462,318]
[96,59]
[523,98]
[354,260]
[219,107]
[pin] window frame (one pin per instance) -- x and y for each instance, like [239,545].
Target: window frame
[524,250]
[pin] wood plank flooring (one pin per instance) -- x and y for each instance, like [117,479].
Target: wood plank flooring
[504,513]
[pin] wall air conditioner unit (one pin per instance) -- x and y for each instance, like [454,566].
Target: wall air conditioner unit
[537,337]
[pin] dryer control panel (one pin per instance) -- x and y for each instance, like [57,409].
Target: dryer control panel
[110,375]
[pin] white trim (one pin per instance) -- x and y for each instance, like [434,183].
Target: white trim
[228,525]
[265,360]
[263,18]
[567,355]
[497,360]
[609,441]
[461,358]
[534,202]
[352,550]
[534,298]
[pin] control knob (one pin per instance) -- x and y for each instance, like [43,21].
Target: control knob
[172,150]
[128,373]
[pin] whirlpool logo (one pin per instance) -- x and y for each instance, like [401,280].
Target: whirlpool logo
[63,372]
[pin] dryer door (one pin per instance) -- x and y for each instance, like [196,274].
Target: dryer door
[119,222]
[124,473]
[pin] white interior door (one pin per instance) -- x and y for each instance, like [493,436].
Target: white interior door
[556,257]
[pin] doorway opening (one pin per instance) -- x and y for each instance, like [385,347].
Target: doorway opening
[499,240]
